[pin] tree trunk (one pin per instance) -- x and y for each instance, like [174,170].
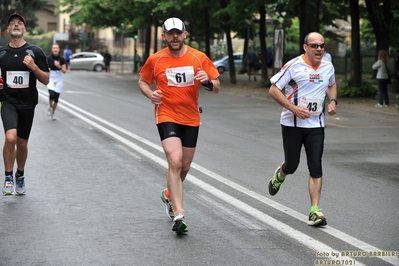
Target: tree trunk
[262,40]
[229,43]
[147,43]
[207,27]
[356,70]
[308,19]
[156,26]
[381,19]
[227,31]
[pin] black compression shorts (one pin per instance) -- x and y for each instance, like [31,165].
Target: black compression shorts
[187,134]
[313,141]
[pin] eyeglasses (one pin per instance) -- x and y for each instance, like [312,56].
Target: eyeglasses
[315,45]
[19,22]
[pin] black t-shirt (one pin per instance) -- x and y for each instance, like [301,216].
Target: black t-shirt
[19,81]
[52,58]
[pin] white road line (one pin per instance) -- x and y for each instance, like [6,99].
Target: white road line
[304,239]
[239,218]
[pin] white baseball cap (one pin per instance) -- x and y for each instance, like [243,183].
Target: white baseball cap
[173,23]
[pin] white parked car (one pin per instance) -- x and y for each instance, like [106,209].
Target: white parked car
[87,61]
[223,64]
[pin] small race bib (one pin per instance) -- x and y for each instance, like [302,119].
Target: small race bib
[18,79]
[314,105]
[180,76]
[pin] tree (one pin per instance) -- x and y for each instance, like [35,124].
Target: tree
[355,32]
[226,22]
[308,23]
[262,39]
[24,7]
[381,18]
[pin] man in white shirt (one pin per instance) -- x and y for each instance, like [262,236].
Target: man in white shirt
[306,80]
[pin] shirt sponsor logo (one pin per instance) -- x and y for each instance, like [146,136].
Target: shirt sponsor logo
[315,78]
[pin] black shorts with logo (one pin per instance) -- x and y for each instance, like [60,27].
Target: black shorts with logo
[187,134]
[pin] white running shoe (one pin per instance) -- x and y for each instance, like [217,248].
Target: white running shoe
[8,188]
[20,185]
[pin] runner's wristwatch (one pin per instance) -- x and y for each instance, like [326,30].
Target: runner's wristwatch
[209,85]
[335,100]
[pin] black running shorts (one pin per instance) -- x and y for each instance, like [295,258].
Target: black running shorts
[187,134]
[20,119]
[313,141]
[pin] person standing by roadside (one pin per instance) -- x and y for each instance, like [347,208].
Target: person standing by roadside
[307,80]
[21,65]
[178,71]
[327,56]
[57,67]
[107,61]
[67,56]
[252,61]
[381,65]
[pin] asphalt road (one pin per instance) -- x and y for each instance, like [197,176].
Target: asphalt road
[94,177]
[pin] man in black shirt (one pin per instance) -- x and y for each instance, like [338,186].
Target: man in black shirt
[107,61]
[21,65]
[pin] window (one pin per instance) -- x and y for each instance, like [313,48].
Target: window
[51,26]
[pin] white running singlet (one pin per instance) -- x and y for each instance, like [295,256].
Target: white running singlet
[304,85]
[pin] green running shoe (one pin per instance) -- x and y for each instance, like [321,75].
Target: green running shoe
[274,183]
[179,224]
[317,219]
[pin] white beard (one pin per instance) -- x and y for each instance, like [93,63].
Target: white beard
[16,34]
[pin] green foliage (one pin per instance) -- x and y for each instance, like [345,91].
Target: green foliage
[25,8]
[366,33]
[394,29]
[292,33]
[366,90]
[44,41]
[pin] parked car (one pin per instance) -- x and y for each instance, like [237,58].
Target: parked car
[223,64]
[87,61]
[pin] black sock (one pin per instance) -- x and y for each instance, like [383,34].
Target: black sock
[19,173]
[9,173]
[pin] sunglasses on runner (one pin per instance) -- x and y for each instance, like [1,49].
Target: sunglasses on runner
[315,45]
[14,22]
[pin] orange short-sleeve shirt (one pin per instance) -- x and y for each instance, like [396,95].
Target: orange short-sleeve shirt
[174,76]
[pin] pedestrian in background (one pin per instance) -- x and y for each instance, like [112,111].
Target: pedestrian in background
[302,117]
[269,57]
[381,65]
[67,56]
[57,67]
[107,61]
[178,71]
[327,56]
[252,61]
[21,65]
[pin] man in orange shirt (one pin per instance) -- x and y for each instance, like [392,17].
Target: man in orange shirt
[178,71]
